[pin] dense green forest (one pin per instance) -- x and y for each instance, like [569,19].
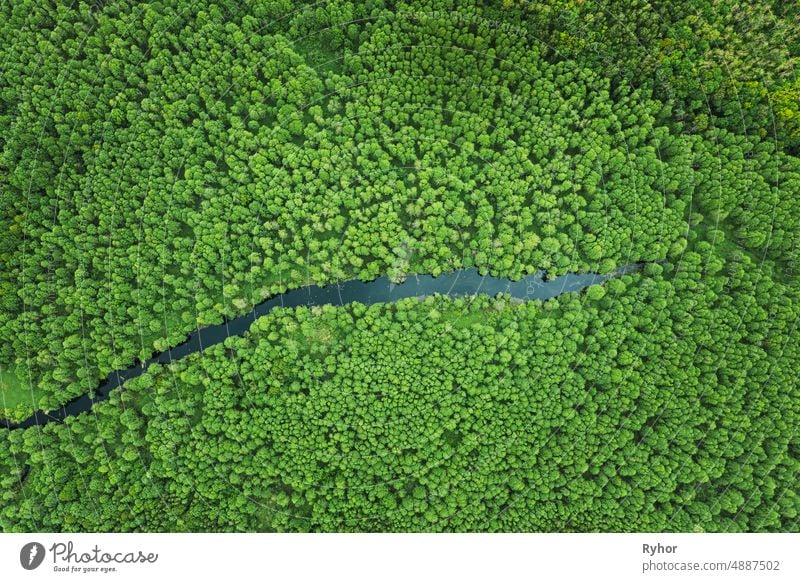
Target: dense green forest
[166,164]
[659,406]
[715,63]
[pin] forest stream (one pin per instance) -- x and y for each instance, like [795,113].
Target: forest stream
[380,290]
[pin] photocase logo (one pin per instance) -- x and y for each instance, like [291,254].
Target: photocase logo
[31,555]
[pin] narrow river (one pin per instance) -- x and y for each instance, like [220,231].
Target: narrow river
[380,290]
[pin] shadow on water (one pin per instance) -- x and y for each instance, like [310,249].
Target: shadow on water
[380,290]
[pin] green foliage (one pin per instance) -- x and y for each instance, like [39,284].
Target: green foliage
[595,292]
[574,418]
[714,63]
[196,164]
[170,163]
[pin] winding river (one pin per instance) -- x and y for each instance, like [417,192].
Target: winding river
[380,290]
